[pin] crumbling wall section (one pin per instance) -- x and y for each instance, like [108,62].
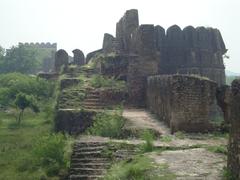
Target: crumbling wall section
[229,100]
[183,102]
[125,27]
[234,141]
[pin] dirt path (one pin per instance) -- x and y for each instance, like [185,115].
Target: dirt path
[192,164]
[142,119]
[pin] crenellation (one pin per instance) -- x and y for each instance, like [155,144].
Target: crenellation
[42,45]
[78,57]
[61,59]
[108,43]
[160,37]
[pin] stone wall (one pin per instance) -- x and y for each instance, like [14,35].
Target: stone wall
[139,68]
[73,121]
[125,27]
[114,66]
[183,102]
[92,54]
[143,62]
[192,51]
[229,101]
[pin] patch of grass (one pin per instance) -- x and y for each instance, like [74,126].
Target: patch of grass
[139,168]
[99,81]
[148,137]
[107,125]
[166,138]
[217,149]
[180,135]
[17,143]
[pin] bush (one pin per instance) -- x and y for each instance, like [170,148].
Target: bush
[107,125]
[148,136]
[13,83]
[49,153]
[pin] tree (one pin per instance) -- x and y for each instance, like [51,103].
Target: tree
[24,101]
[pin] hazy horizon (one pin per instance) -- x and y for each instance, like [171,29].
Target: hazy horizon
[73,24]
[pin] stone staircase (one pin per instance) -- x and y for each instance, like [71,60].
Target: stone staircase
[91,159]
[88,161]
[92,101]
[70,99]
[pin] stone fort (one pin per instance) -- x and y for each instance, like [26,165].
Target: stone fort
[177,74]
[173,73]
[150,50]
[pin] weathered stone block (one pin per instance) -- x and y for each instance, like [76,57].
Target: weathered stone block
[183,102]
[73,121]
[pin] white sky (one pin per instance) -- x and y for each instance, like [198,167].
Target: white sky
[82,23]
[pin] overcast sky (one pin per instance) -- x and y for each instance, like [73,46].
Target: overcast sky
[82,23]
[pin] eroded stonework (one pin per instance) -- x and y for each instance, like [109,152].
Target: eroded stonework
[183,102]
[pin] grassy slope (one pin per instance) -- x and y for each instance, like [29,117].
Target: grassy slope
[16,145]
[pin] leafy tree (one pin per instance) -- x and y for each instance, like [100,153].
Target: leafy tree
[24,101]
[20,59]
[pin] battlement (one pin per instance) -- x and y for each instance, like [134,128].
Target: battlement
[40,45]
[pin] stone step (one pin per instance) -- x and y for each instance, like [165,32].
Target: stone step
[92,103]
[85,177]
[93,107]
[90,96]
[78,148]
[92,100]
[90,171]
[89,160]
[90,144]
[91,165]
[87,154]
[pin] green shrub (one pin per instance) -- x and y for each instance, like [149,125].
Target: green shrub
[49,153]
[148,136]
[107,125]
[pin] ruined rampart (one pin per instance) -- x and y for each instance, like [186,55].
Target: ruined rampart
[183,102]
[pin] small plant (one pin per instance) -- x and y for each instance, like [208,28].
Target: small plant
[166,138]
[24,101]
[49,153]
[180,135]
[148,136]
[107,125]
